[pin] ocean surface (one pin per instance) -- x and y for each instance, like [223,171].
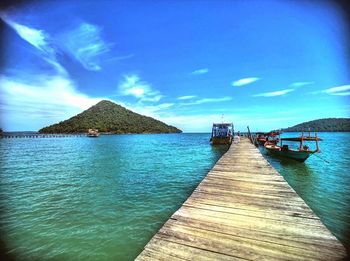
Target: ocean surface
[79,198]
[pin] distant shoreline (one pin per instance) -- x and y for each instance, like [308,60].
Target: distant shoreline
[109,133]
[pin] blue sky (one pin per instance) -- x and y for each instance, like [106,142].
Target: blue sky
[266,64]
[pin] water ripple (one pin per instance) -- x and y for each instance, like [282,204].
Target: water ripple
[95,199]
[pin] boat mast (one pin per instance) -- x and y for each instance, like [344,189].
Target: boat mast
[317,148]
[301,141]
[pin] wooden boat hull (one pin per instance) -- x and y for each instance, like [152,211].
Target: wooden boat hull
[300,156]
[221,140]
[93,135]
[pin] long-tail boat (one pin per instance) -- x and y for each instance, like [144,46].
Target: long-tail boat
[221,134]
[301,154]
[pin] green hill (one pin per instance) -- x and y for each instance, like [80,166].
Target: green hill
[329,124]
[107,116]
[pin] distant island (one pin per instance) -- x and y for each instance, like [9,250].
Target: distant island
[109,117]
[328,124]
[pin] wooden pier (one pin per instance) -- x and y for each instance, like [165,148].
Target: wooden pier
[39,135]
[243,210]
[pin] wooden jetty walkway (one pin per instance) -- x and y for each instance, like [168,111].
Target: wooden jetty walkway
[39,135]
[243,210]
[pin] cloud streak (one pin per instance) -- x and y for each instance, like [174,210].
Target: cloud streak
[38,39]
[339,90]
[37,104]
[133,86]
[35,37]
[300,84]
[273,94]
[187,97]
[245,81]
[40,99]
[200,71]
[207,100]
[85,44]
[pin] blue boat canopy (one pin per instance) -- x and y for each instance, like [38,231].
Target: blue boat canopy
[222,125]
[302,139]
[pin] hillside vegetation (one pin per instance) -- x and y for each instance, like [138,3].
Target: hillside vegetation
[107,116]
[329,124]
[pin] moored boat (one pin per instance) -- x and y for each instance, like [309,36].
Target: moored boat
[271,136]
[93,133]
[221,134]
[301,154]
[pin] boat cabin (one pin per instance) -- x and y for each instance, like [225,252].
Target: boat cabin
[222,133]
[93,133]
[272,137]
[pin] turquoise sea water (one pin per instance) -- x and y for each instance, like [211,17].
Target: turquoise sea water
[103,199]
[95,199]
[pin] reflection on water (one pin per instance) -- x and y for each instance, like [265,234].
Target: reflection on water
[323,181]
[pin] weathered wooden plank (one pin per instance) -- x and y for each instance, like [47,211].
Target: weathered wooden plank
[251,208]
[149,255]
[251,222]
[311,242]
[213,189]
[246,185]
[273,215]
[185,252]
[250,200]
[243,210]
[237,246]
[230,185]
[256,205]
[260,237]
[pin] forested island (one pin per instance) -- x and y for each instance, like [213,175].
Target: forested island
[328,124]
[109,117]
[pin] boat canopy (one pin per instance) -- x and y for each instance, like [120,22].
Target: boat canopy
[271,133]
[302,139]
[222,125]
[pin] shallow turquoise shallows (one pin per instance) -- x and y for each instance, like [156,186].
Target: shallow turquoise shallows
[95,198]
[104,198]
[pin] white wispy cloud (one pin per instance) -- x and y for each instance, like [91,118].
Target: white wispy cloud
[39,39]
[339,90]
[300,84]
[200,71]
[341,93]
[35,37]
[148,110]
[133,86]
[37,100]
[187,97]
[245,81]
[272,94]
[198,122]
[86,45]
[47,100]
[206,100]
